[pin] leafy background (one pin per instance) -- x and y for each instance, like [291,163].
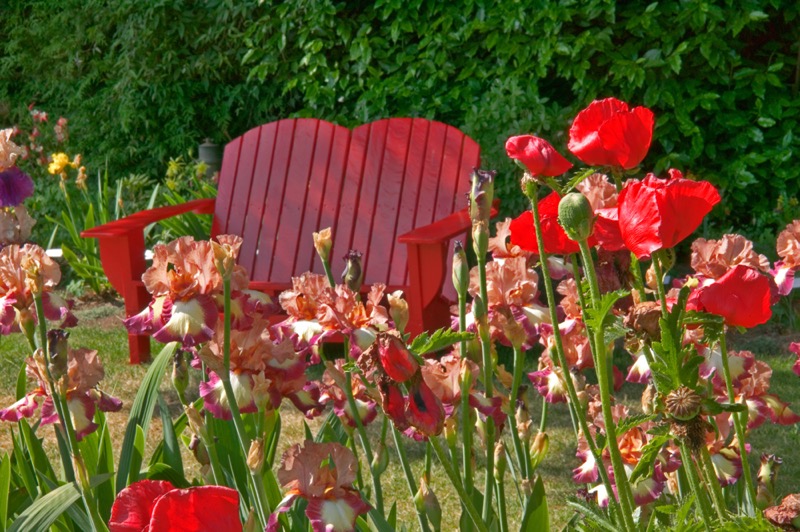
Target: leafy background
[145,81]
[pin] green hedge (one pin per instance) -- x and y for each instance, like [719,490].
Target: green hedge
[143,81]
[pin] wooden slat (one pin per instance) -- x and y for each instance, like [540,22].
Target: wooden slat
[329,214]
[368,219]
[317,189]
[258,194]
[227,179]
[288,239]
[284,143]
[244,180]
[347,216]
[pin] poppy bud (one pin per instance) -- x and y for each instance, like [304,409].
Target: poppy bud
[427,503]
[353,276]
[323,243]
[576,216]
[481,195]
[460,269]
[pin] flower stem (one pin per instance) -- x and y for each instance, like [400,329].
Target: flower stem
[523,465]
[662,297]
[400,446]
[574,404]
[327,267]
[488,375]
[694,483]
[467,426]
[466,501]
[713,482]
[262,506]
[740,428]
[604,379]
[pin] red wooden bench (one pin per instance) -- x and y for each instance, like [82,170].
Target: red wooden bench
[393,189]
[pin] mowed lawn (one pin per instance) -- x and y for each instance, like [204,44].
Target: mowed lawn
[100,327]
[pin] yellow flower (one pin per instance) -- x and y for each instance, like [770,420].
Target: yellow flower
[60,161]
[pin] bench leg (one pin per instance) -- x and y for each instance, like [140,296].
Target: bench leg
[427,309]
[136,299]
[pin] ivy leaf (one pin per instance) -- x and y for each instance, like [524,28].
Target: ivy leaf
[425,343]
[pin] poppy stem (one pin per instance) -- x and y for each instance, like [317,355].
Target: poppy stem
[713,482]
[694,483]
[662,297]
[604,378]
[574,404]
[740,429]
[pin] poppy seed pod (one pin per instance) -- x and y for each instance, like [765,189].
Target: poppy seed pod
[576,217]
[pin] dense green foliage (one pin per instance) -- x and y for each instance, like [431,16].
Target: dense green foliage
[145,81]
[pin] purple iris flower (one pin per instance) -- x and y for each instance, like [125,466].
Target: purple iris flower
[15,187]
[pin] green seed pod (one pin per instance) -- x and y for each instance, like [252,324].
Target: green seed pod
[576,216]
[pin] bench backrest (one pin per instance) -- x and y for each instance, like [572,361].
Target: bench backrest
[284,180]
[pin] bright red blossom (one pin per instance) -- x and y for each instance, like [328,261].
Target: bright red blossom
[555,239]
[742,296]
[157,506]
[538,155]
[658,213]
[607,133]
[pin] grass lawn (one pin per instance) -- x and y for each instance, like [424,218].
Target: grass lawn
[101,328]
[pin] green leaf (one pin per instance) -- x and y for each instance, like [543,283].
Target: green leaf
[5,487]
[161,471]
[601,316]
[45,510]
[537,516]
[714,408]
[141,413]
[440,339]
[630,422]
[649,453]
[137,457]
[172,450]
[22,382]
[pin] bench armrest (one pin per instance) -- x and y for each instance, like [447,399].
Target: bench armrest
[142,219]
[444,229]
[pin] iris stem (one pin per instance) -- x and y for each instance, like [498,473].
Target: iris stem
[400,446]
[519,358]
[713,482]
[488,375]
[466,501]
[740,428]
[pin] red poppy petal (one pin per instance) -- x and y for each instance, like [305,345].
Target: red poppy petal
[607,231]
[627,136]
[640,219]
[538,155]
[689,201]
[742,296]
[584,139]
[134,504]
[194,509]
[523,233]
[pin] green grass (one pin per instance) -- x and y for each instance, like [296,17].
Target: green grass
[100,328]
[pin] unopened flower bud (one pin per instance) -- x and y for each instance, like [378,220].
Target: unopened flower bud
[180,375]
[541,443]
[250,524]
[81,472]
[480,238]
[58,347]
[255,456]
[523,421]
[323,243]
[380,459]
[576,217]
[353,275]
[226,248]
[767,473]
[478,308]
[199,451]
[529,186]
[460,269]
[499,461]
[481,195]
[451,431]
[398,310]
[196,423]
[427,503]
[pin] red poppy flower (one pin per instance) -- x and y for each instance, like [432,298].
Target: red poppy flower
[156,506]
[742,296]
[658,213]
[607,133]
[555,239]
[538,155]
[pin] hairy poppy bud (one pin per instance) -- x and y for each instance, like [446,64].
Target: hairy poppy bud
[576,216]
